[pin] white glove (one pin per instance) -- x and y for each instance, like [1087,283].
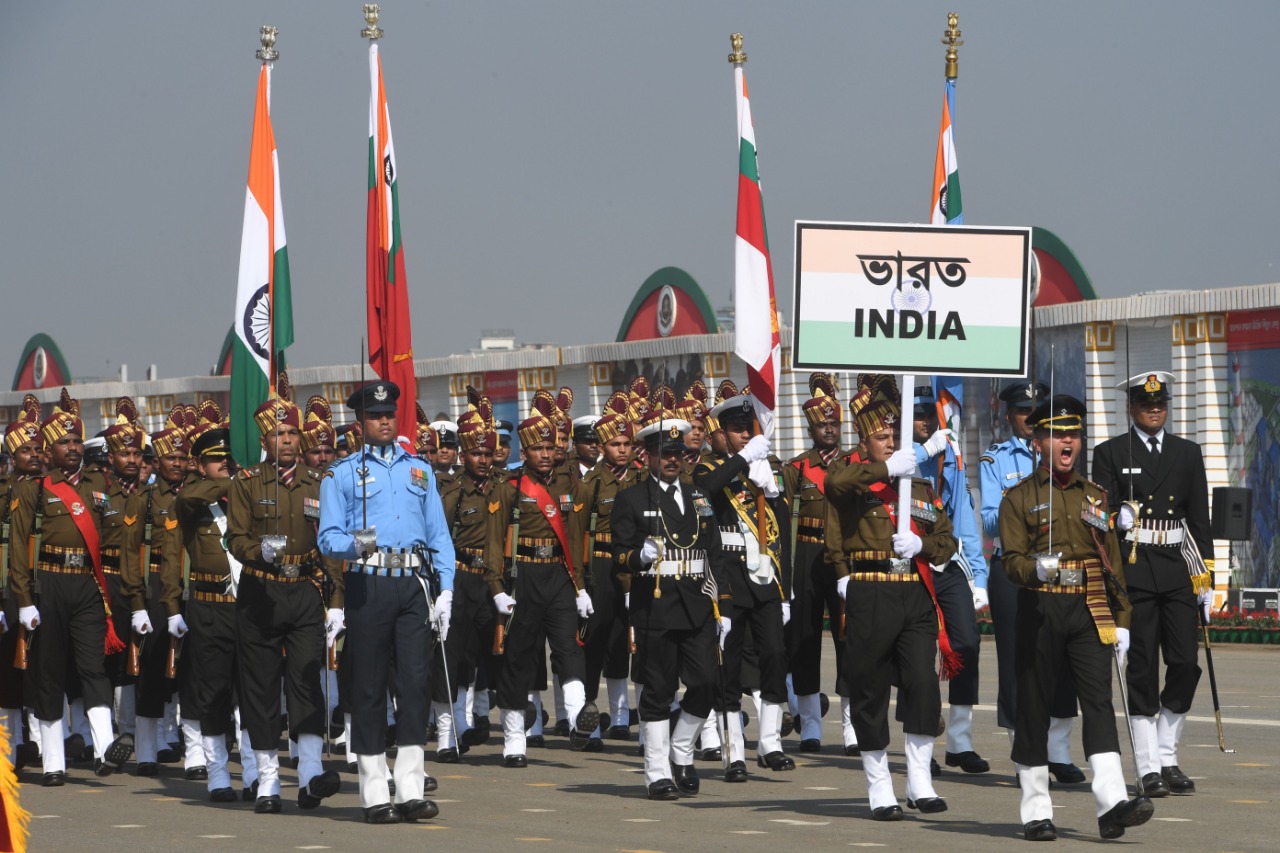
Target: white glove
[760,473]
[901,464]
[333,625]
[786,612]
[365,542]
[937,442]
[1044,569]
[271,547]
[980,599]
[649,551]
[443,613]
[141,622]
[626,601]
[757,448]
[1126,518]
[842,587]
[726,625]
[177,625]
[504,603]
[1206,602]
[4,624]
[584,604]
[907,544]
[1122,644]
[29,617]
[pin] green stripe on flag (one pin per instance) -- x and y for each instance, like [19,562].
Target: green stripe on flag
[282,309]
[747,161]
[249,390]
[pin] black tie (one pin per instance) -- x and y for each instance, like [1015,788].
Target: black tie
[1155,447]
[669,505]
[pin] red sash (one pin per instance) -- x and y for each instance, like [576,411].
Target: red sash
[951,662]
[550,510]
[79,514]
[817,476]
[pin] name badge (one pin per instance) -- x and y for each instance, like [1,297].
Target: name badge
[1127,471]
[366,481]
[1013,475]
[1037,508]
[266,502]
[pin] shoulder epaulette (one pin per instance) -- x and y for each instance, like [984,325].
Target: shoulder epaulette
[985,458]
[994,446]
[248,473]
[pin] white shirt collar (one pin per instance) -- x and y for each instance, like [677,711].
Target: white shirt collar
[1146,439]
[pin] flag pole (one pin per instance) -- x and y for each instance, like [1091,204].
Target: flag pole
[372,32]
[268,55]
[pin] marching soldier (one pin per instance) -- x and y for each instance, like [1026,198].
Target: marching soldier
[732,486]
[503,452]
[665,536]
[446,462]
[1073,613]
[546,596]
[893,624]
[272,513]
[381,513]
[57,520]
[1003,466]
[586,447]
[1158,481]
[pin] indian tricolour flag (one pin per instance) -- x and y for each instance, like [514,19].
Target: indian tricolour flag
[756,339]
[264,305]
[947,210]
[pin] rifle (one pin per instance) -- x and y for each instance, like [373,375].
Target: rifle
[23,648]
[171,662]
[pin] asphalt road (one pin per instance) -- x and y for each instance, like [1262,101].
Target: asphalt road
[567,801]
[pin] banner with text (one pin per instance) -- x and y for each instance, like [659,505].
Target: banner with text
[912,298]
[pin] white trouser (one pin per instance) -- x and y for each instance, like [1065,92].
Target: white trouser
[640,733]
[575,697]
[374,790]
[462,720]
[1169,732]
[215,759]
[346,736]
[711,732]
[513,734]
[479,703]
[169,725]
[656,751]
[682,737]
[809,708]
[51,740]
[248,760]
[99,719]
[875,764]
[192,750]
[77,723]
[1146,744]
[410,773]
[562,705]
[619,711]
[846,723]
[770,739]
[34,726]
[1109,788]
[268,761]
[126,707]
[793,701]
[147,736]
[1059,739]
[960,729]
[535,697]
[444,726]
[310,762]
[737,743]
[919,749]
[1036,804]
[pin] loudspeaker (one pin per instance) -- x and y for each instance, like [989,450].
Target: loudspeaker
[1232,514]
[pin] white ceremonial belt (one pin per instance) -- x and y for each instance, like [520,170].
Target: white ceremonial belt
[735,539]
[1156,537]
[674,568]
[391,560]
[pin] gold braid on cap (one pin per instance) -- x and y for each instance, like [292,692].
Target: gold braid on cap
[875,407]
[564,400]
[318,409]
[664,398]
[209,412]
[822,404]
[615,419]
[126,411]
[473,398]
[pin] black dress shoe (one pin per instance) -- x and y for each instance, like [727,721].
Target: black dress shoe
[429,784]
[28,753]
[928,805]
[583,726]
[384,813]
[934,770]
[514,761]
[713,754]
[56,779]
[561,729]
[222,795]
[417,810]
[535,741]
[887,813]
[789,724]
[1154,786]
[1040,830]
[101,768]
[73,747]
[168,755]
[776,761]
[619,733]
[1133,812]
[1179,782]
[811,745]
[852,749]
[448,756]
[530,715]
[267,805]
[116,755]
[969,762]
[594,744]
[686,778]
[663,789]
[352,768]
[250,794]
[197,774]
[324,785]
[824,704]
[737,772]
[1066,774]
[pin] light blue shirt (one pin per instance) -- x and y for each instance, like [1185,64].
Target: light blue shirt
[956,499]
[398,493]
[1002,467]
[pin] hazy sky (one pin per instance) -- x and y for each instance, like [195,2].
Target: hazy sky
[552,155]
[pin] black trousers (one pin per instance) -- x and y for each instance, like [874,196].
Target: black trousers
[545,607]
[68,641]
[272,617]
[122,617]
[955,599]
[1004,612]
[387,626]
[1165,623]
[153,689]
[470,639]
[813,595]
[763,619]
[607,639]
[1055,631]
[10,679]
[209,665]
[665,657]
[891,630]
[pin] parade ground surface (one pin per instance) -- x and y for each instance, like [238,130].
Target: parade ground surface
[569,801]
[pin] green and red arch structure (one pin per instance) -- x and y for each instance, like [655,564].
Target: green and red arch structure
[1062,276]
[56,371]
[693,313]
